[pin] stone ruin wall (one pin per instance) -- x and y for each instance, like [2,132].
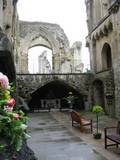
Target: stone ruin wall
[28,84]
[52,36]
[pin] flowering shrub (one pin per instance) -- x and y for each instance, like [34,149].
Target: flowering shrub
[12,121]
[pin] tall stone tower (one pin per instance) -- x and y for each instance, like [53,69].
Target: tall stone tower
[96,10]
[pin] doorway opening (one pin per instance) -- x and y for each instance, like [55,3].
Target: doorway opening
[40,60]
[55,92]
[98,93]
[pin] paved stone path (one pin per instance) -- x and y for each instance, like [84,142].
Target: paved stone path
[51,140]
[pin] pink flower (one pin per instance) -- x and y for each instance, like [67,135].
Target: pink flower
[4,82]
[16,116]
[11,102]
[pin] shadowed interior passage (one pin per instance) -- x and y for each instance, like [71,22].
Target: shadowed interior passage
[56,90]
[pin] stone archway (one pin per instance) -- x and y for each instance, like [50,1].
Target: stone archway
[6,57]
[41,62]
[44,34]
[54,91]
[98,93]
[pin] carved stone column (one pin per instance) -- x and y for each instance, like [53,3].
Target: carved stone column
[24,64]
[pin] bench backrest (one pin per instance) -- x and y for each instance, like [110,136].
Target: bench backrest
[76,117]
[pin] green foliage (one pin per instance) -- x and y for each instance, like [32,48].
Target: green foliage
[4,95]
[2,148]
[13,128]
[12,121]
[97,109]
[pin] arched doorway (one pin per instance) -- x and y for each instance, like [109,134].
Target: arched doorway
[56,90]
[98,93]
[106,57]
[40,60]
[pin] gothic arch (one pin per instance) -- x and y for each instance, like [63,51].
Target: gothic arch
[36,42]
[45,34]
[106,57]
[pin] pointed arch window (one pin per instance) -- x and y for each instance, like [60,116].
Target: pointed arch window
[40,60]
[106,57]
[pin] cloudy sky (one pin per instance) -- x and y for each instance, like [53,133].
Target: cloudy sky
[69,14]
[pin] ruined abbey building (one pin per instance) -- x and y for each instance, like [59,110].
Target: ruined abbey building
[64,75]
[53,37]
[101,86]
[103,41]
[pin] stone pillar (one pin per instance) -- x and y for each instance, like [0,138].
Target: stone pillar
[42,103]
[56,64]
[92,50]
[8,16]
[116,63]
[1,14]
[89,10]
[58,103]
[117,88]
[24,64]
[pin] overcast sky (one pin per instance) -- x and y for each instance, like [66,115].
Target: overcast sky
[69,14]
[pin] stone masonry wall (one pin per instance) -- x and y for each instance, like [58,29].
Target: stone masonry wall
[29,83]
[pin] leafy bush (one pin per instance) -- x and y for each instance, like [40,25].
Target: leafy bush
[97,110]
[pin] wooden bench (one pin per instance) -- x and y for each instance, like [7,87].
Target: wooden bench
[78,119]
[112,136]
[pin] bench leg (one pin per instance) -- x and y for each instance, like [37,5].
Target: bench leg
[82,128]
[91,127]
[105,143]
[117,145]
[72,123]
